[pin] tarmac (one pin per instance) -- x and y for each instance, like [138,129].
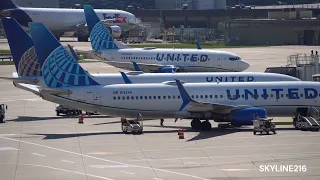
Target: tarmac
[35,144]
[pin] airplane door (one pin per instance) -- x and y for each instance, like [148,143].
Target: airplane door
[219,63]
[96,100]
[111,56]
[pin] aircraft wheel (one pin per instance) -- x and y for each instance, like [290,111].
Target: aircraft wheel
[206,125]
[196,124]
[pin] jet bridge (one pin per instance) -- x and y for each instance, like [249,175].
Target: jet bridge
[307,119]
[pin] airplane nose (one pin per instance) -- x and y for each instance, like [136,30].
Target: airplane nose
[244,65]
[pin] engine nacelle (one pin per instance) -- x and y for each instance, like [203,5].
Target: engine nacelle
[115,31]
[245,116]
[168,69]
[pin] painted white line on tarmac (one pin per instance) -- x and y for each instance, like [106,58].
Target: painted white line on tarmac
[156,179]
[75,172]
[7,135]
[106,166]
[8,149]
[237,169]
[68,161]
[128,172]
[38,154]
[106,160]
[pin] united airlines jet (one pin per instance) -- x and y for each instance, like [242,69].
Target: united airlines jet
[157,60]
[60,20]
[237,103]
[28,65]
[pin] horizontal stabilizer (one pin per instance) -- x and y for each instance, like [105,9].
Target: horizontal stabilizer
[55,91]
[28,80]
[28,87]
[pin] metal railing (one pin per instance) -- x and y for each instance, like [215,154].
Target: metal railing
[301,59]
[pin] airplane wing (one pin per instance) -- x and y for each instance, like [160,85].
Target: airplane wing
[128,65]
[196,106]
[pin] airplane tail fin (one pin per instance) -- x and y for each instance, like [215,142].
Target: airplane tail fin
[22,49]
[59,69]
[100,37]
[7,4]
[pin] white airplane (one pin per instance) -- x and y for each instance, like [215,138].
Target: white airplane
[237,103]
[60,20]
[157,60]
[28,65]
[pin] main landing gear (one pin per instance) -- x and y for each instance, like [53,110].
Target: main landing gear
[204,125]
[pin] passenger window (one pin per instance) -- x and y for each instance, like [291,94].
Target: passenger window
[114,98]
[206,96]
[132,97]
[178,97]
[201,96]
[128,97]
[271,95]
[210,96]
[150,97]
[192,96]
[123,98]
[221,96]
[154,97]
[169,97]
[173,97]
[197,96]
[141,97]
[137,97]
[119,97]
[159,97]
[164,97]
[216,96]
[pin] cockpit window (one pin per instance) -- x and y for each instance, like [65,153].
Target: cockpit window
[234,58]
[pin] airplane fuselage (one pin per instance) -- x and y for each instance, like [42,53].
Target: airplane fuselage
[62,20]
[164,100]
[189,60]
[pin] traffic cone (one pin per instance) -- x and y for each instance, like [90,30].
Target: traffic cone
[180,134]
[80,118]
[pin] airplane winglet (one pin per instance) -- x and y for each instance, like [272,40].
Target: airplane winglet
[136,67]
[198,45]
[184,95]
[125,78]
[73,53]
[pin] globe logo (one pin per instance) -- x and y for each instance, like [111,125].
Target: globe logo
[101,39]
[29,65]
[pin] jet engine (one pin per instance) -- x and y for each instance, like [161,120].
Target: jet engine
[245,116]
[241,117]
[168,69]
[115,31]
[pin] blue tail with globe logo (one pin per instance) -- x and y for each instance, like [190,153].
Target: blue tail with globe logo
[22,49]
[59,68]
[99,35]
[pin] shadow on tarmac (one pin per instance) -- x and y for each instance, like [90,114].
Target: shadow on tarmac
[215,132]
[31,118]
